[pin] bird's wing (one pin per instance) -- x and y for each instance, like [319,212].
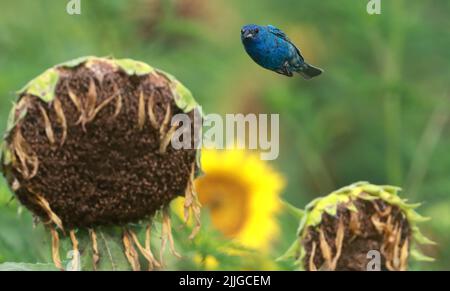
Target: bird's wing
[278,32]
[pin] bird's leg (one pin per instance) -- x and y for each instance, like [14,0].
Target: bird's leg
[285,70]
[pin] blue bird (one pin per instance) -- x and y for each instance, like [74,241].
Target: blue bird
[270,47]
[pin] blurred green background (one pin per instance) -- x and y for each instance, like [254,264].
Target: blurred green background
[379,113]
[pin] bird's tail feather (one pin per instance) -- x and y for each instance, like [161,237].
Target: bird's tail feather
[308,71]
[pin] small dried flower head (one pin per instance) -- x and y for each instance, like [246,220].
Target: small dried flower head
[341,231]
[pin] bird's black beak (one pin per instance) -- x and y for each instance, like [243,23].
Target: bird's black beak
[247,34]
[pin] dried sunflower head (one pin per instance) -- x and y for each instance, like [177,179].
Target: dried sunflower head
[88,145]
[342,231]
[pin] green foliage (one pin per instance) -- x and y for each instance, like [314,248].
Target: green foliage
[27,267]
[43,85]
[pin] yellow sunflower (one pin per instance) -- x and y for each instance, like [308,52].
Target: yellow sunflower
[241,193]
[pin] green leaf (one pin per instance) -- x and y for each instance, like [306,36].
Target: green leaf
[76,62]
[2,153]
[351,206]
[183,97]
[420,238]
[412,205]
[111,251]
[43,86]
[110,247]
[302,224]
[391,189]
[418,256]
[370,188]
[5,154]
[360,183]
[416,217]
[27,267]
[291,253]
[11,119]
[294,211]
[132,67]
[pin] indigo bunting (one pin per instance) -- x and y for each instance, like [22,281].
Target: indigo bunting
[269,47]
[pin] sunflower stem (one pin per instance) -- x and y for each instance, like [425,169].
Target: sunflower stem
[294,211]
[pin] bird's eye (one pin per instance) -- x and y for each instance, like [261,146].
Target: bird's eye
[256,30]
